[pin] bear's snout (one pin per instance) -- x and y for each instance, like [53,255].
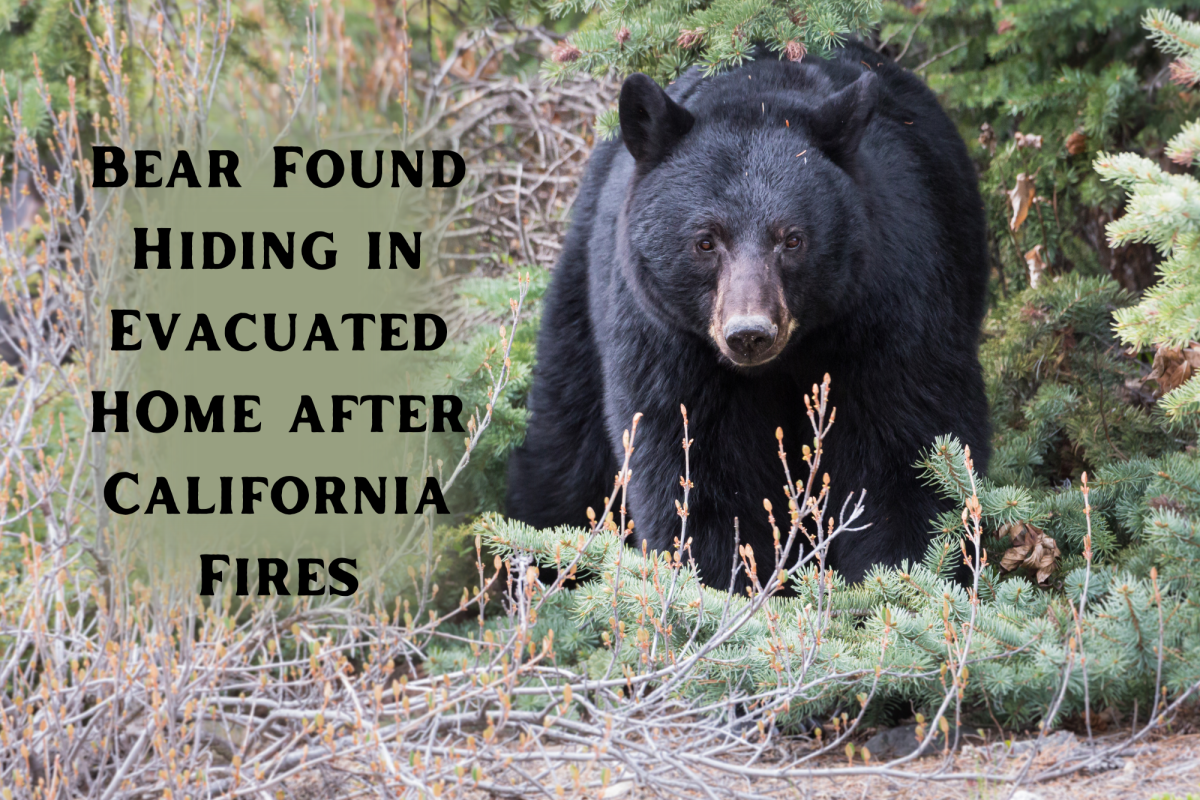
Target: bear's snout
[750,337]
[751,322]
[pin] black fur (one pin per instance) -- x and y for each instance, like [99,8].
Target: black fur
[886,294]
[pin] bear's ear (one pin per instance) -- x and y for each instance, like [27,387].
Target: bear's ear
[651,122]
[838,124]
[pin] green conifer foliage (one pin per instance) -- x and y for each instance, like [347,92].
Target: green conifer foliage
[1163,209]
[483,487]
[887,638]
[1038,88]
[1064,395]
[662,39]
[45,35]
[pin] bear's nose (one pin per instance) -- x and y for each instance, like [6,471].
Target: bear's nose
[750,336]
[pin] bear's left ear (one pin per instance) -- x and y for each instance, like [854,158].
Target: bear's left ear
[651,122]
[838,124]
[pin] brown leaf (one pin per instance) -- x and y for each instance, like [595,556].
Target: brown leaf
[1005,26]
[1077,143]
[1031,548]
[1036,264]
[1173,366]
[1020,197]
[1191,354]
[467,63]
[464,65]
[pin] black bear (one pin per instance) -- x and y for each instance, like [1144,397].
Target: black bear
[748,233]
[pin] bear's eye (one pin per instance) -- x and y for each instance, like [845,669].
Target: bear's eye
[705,244]
[792,242]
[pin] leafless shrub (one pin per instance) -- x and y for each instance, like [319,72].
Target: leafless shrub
[118,688]
[525,142]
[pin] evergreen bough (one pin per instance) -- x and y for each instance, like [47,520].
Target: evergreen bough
[887,638]
[1164,210]
[662,39]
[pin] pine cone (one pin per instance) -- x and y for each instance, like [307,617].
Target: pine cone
[1077,143]
[564,53]
[690,38]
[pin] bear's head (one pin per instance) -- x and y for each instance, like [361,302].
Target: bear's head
[743,222]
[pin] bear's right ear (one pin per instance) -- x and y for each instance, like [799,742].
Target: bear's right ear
[651,122]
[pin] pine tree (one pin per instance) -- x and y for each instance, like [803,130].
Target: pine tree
[1162,210]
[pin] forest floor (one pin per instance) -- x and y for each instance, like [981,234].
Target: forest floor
[1164,765]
